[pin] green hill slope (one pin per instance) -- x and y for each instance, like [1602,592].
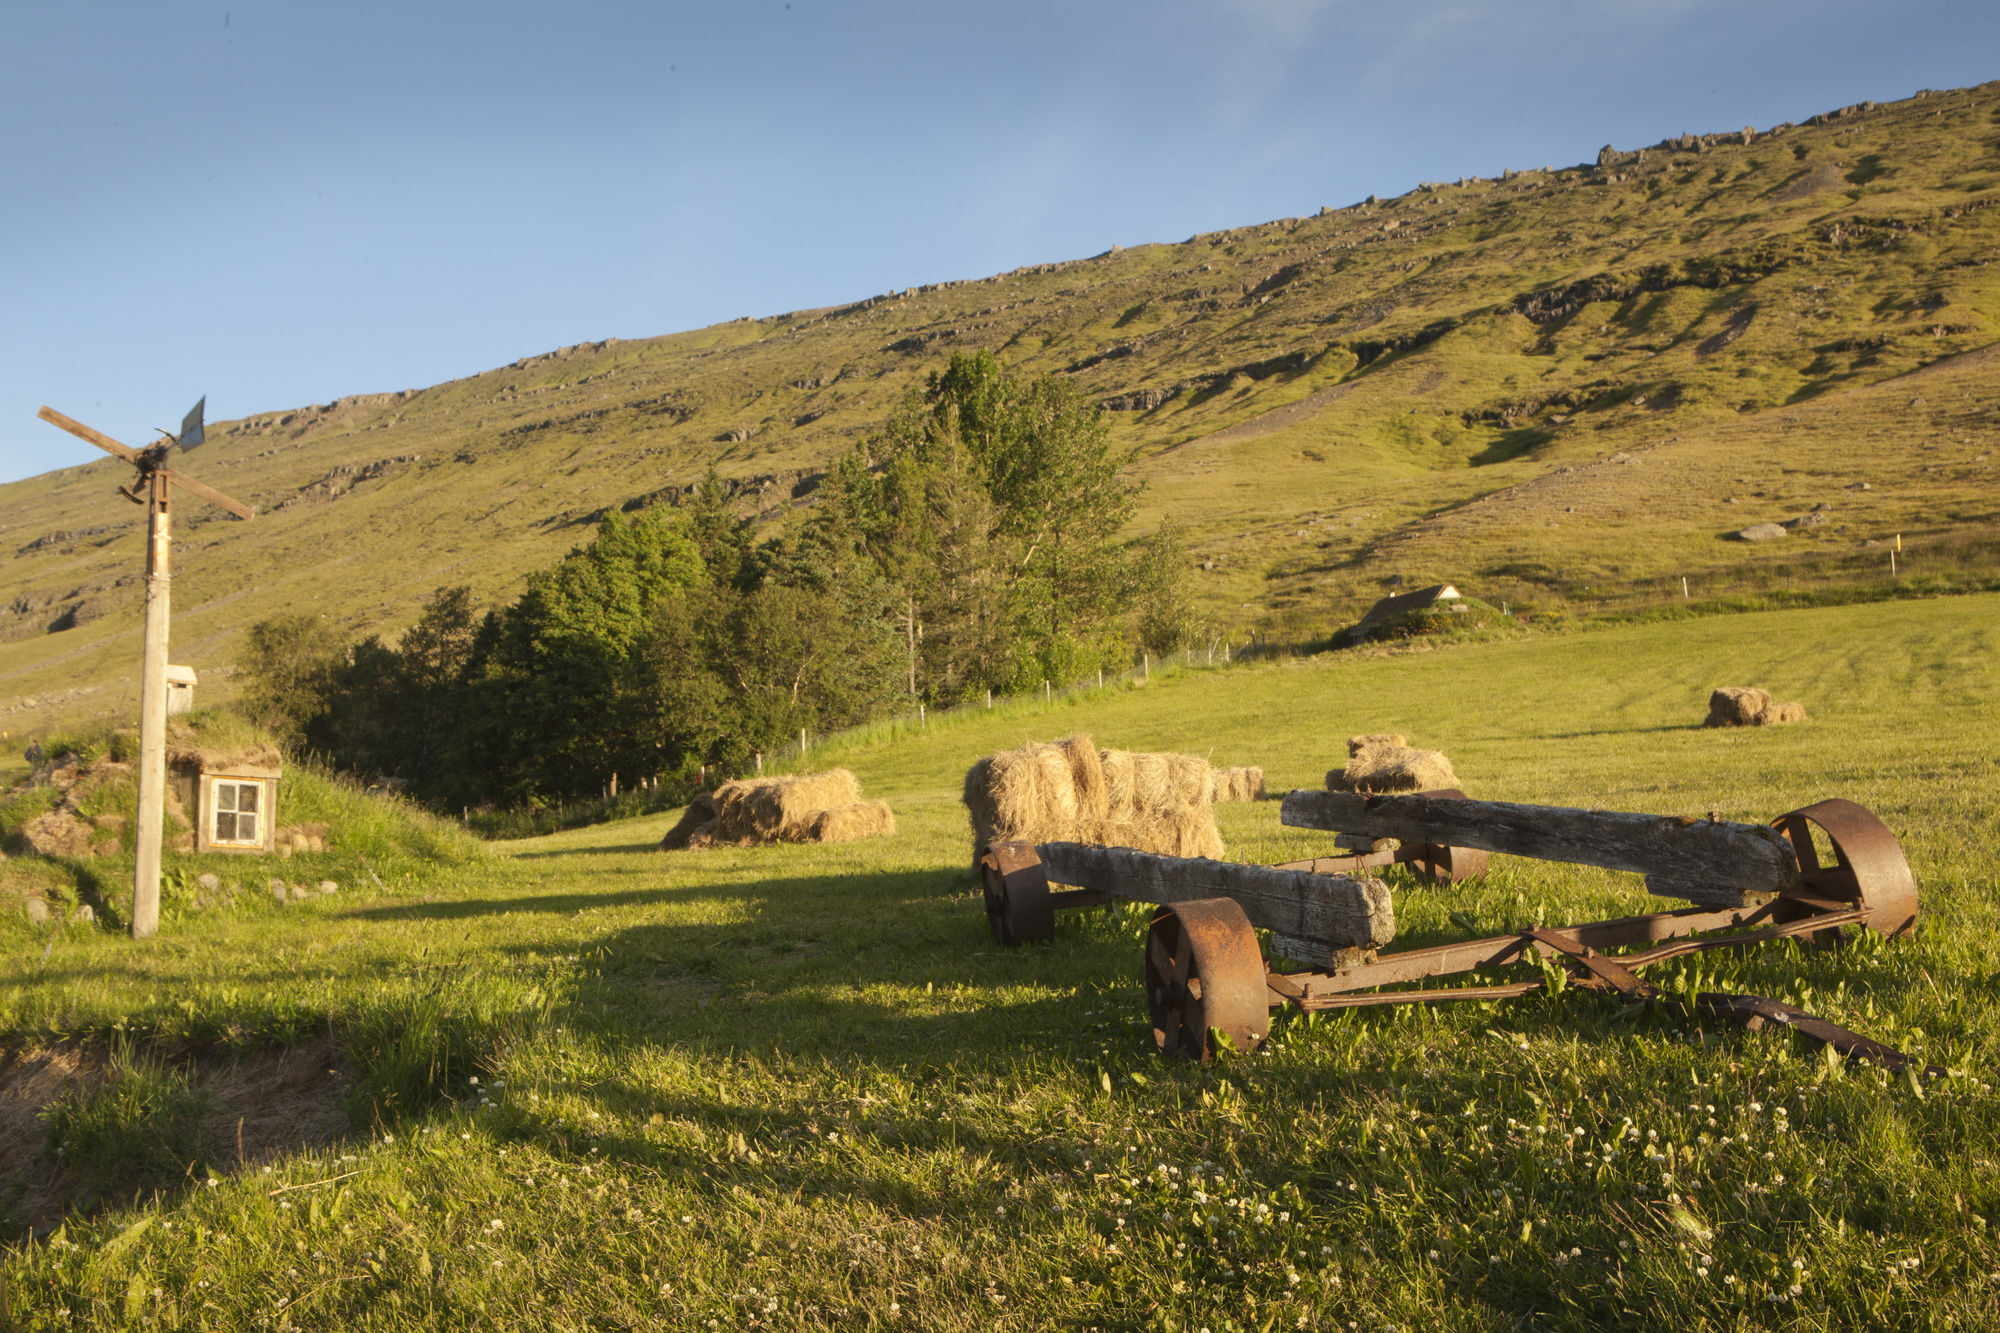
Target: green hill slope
[1419,388]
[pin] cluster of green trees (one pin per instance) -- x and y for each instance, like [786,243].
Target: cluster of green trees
[971,545]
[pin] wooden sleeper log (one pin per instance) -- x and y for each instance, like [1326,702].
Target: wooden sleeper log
[1334,912]
[1707,861]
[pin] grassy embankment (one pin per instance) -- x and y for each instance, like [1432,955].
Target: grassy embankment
[797,1088]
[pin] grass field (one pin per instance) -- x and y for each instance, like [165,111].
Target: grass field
[796,1087]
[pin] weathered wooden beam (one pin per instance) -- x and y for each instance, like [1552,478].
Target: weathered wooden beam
[1338,911]
[1699,859]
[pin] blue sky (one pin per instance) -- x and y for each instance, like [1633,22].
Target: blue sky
[281,204]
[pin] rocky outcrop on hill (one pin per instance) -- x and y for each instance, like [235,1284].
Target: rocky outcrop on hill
[340,480]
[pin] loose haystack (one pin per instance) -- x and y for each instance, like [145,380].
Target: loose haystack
[1070,791]
[1383,762]
[1748,706]
[1236,784]
[809,807]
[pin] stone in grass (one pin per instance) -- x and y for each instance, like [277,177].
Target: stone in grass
[300,893]
[38,911]
[1759,532]
[86,914]
[328,886]
[279,889]
[209,880]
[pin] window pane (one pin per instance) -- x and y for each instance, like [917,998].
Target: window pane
[225,826]
[246,828]
[246,796]
[225,795]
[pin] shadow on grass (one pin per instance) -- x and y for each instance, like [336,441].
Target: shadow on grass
[1664,729]
[622,849]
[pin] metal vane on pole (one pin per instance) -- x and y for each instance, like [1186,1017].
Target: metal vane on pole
[152,487]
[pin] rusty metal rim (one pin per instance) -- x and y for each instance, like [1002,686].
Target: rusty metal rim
[1869,866]
[1205,970]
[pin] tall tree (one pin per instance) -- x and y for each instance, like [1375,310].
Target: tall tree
[289,663]
[569,654]
[1169,621]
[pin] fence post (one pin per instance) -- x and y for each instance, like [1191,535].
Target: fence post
[989,701]
[923,721]
[802,742]
[1147,658]
[760,763]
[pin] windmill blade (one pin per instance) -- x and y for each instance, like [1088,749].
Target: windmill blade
[191,428]
[83,432]
[210,494]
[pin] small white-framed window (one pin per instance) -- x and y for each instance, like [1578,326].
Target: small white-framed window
[236,814]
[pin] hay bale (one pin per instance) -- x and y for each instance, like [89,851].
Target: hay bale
[1383,763]
[1737,706]
[1189,831]
[1748,706]
[1152,785]
[863,819]
[1118,768]
[699,814]
[752,811]
[1068,791]
[1236,784]
[1086,771]
[1189,774]
[780,809]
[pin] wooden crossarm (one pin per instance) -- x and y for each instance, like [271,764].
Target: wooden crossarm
[131,455]
[210,494]
[83,432]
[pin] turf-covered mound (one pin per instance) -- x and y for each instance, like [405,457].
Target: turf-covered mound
[68,830]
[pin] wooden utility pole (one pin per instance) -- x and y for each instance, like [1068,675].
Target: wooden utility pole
[153,708]
[152,488]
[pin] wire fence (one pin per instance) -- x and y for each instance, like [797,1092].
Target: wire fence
[921,719]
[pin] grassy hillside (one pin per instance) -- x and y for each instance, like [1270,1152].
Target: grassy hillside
[796,1087]
[1562,388]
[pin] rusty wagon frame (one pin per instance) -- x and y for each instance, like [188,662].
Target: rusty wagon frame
[1806,876]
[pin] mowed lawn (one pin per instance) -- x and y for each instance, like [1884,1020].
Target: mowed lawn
[797,1087]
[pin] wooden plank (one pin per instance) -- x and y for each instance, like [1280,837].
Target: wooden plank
[1336,911]
[83,432]
[1681,858]
[210,494]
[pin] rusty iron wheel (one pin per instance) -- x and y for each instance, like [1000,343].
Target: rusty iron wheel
[1868,868]
[1205,972]
[1017,894]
